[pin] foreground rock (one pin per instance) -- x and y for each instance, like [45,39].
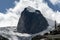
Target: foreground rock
[3,38]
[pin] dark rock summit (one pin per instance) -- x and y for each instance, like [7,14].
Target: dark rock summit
[31,22]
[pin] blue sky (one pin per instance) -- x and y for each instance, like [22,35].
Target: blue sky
[55,7]
[6,4]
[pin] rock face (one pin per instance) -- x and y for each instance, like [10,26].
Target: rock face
[31,22]
[3,38]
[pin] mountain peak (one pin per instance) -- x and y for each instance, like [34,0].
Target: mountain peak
[31,22]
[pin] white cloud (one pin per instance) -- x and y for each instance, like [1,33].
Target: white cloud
[12,15]
[55,1]
[8,20]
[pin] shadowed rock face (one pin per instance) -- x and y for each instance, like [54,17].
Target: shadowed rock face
[31,22]
[3,38]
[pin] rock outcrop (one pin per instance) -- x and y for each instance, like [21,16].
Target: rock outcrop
[31,22]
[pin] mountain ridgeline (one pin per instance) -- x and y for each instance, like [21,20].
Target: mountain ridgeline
[31,22]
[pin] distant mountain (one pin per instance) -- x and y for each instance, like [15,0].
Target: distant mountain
[31,22]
